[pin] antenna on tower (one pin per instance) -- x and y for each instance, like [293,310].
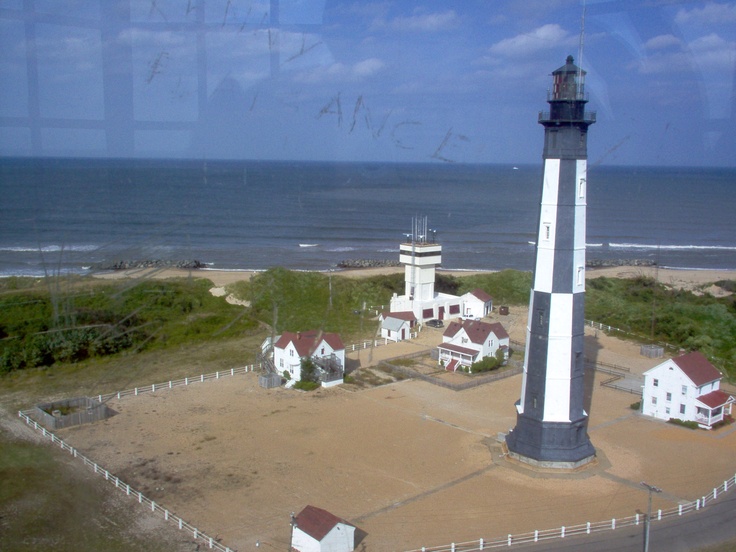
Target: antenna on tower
[581,45]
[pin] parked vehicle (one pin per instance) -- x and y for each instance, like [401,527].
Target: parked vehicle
[434,323]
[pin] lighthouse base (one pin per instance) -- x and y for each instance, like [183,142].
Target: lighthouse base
[563,445]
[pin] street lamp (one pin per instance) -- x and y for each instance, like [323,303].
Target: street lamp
[652,489]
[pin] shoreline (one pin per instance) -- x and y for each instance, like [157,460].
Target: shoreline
[687,279]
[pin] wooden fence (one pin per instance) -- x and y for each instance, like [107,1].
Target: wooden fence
[582,529]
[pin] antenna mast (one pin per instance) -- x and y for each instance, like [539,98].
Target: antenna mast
[580,47]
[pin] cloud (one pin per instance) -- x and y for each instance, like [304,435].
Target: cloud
[421,22]
[542,38]
[710,14]
[709,53]
[662,42]
[340,72]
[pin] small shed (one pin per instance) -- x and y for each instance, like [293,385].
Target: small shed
[317,530]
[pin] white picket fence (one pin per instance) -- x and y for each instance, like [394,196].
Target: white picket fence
[177,383]
[583,529]
[197,535]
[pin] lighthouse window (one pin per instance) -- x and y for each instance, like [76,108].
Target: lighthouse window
[547,230]
[581,272]
[581,188]
[540,313]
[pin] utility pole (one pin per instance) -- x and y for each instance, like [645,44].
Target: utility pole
[652,489]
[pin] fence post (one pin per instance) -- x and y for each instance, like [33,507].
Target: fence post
[210,542]
[153,506]
[697,504]
[217,375]
[136,391]
[186,381]
[480,545]
[725,485]
[679,510]
[587,529]
[508,540]
[140,497]
[153,388]
[715,493]
[99,398]
[659,514]
[562,532]
[637,519]
[169,384]
[179,523]
[166,515]
[118,394]
[613,523]
[536,535]
[201,378]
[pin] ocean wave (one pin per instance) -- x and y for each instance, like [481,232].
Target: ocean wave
[671,247]
[48,248]
[340,249]
[593,245]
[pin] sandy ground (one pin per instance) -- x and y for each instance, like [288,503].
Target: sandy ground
[409,463]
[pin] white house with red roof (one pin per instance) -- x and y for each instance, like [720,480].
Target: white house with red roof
[469,341]
[686,388]
[325,349]
[476,304]
[317,530]
[397,326]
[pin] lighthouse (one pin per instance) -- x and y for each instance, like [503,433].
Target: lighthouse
[551,425]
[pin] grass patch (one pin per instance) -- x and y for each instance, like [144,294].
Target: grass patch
[47,502]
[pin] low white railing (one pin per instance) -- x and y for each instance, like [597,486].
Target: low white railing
[176,383]
[582,529]
[197,535]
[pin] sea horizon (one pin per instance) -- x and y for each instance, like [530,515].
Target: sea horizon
[71,215]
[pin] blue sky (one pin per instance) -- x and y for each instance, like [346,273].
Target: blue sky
[394,80]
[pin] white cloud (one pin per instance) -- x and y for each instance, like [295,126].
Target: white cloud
[709,53]
[367,67]
[542,38]
[662,42]
[420,22]
[710,14]
[341,72]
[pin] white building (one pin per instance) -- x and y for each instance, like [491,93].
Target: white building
[476,304]
[686,388]
[469,341]
[317,530]
[325,349]
[397,326]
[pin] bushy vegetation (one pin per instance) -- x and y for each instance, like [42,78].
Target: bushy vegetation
[507,287]
[643,306]
[42,327]
[313,300]
[488,364]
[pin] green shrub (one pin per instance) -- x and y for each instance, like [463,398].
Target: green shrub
[486,364]
[635,406]
[684,423]
[307,385]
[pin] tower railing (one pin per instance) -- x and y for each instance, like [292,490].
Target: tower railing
[588,117]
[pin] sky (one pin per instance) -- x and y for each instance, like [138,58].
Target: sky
[358,80]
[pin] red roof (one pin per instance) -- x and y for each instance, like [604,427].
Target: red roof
[697,368]
[482,295]
[716,398]
[401,315]
[476,330]
[316,522]
[307,342]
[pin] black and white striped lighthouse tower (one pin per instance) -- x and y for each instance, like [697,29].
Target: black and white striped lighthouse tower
[551,426]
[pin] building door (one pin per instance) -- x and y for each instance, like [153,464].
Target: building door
[441,313]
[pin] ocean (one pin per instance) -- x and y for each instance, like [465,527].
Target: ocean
[75,215]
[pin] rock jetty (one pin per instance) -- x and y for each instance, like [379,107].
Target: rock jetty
[367,263]
[151,263]
[606,263]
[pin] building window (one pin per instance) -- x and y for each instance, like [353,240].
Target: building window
[682,409]
[684,389]
[322,351]
[669,397]
[654,400]
[667,410]
[281,363]
[547,231]
[291,352]
[655,383]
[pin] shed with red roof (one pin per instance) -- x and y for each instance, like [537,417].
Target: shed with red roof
[317,530]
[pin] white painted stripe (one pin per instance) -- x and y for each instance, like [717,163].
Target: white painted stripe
[560,308]
[557,401]
[543,274]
